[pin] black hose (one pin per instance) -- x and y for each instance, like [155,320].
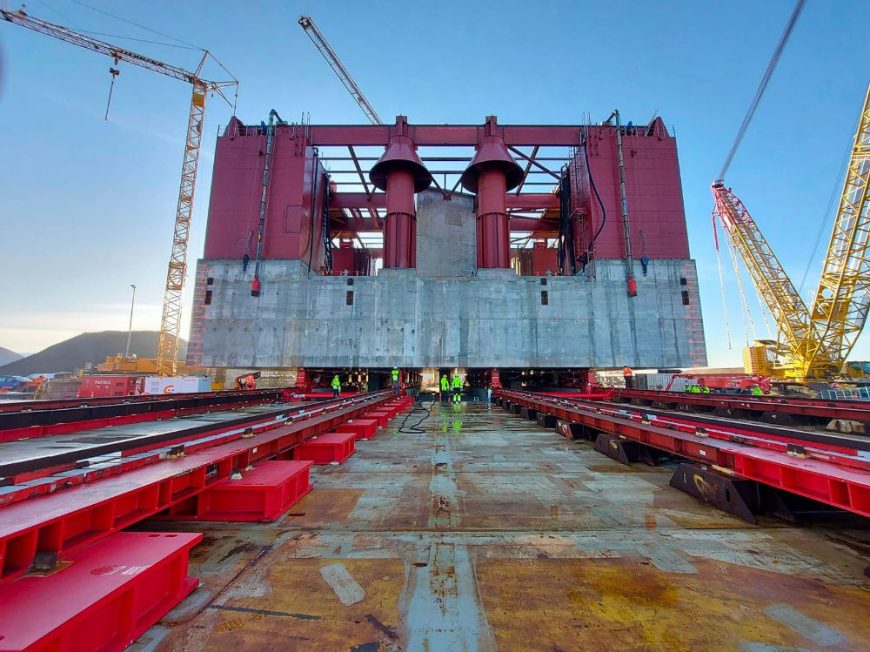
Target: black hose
[313,204]
[414,429]
[597,196]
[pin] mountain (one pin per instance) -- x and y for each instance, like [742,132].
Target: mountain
[77,351]
[7,356]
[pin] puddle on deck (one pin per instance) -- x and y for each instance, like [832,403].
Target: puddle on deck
[487,532]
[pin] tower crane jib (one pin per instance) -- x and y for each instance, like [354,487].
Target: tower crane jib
[170,321]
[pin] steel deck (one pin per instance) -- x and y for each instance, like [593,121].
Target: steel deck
[486,532]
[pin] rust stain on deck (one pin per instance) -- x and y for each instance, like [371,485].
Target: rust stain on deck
[487,532]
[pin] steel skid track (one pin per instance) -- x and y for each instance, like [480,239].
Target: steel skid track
[839,477]
[63,522]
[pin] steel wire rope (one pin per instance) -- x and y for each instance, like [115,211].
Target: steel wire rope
[762,86]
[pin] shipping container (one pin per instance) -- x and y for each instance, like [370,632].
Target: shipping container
[93,386]
[176,384]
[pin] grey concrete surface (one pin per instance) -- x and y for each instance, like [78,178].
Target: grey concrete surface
[415,321]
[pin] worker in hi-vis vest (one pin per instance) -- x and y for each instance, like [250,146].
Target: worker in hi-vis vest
[628,376]
[336,386]
[457,388]
[445,388]
[395,376]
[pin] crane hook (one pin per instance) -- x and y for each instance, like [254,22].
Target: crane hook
[114,72]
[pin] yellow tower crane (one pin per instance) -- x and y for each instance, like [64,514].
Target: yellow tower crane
[814,342]
[170,321]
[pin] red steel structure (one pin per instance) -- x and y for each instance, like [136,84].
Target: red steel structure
[758,406]
[64,522]
[839,478]
[528,202]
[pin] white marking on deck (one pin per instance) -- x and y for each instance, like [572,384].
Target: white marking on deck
[342,582]
[809,628]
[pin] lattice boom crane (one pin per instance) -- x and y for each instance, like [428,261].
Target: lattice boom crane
[307,23]
[170,321]
[814,343]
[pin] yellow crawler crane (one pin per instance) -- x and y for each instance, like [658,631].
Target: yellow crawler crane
[813,343]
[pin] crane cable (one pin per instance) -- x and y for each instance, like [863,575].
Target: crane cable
[762,86]
[721,280]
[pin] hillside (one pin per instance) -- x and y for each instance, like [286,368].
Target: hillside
[7,356]
[75,352]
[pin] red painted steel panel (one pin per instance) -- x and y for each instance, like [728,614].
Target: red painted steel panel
[66,521]
[382,417]
[655,196]
[108,596]
[236,189]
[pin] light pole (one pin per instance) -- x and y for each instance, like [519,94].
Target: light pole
[130,327]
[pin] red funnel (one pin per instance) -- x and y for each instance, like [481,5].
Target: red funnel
[492,155]
[401,154]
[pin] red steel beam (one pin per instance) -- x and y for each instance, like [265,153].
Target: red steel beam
[526,201]
[450,135]
[826,478]
[65,522]
[57,404]
[847,410]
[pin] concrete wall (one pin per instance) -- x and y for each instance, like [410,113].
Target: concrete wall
[491,319]
[446,235]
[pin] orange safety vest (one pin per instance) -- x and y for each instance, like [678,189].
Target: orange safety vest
[626,371]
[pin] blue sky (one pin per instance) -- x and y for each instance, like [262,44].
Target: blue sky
[87,205]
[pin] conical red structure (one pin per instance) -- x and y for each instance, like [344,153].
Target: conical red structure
[402,174]
[491,173]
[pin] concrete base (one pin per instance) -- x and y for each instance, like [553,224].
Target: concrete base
[485,321]
[445,313]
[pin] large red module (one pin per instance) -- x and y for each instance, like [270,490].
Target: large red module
[293,227]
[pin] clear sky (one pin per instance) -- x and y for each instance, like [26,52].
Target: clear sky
[87,206]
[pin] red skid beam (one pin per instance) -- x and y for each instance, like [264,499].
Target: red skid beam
[68,521]
[827,482]
[847,410]
[107,597]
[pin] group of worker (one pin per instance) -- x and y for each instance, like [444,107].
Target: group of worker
[697,389]
[455,384]
[395,377]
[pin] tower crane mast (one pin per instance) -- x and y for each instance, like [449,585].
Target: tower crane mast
[170,321]
[316,36]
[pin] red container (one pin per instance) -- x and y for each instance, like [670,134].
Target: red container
[93,386]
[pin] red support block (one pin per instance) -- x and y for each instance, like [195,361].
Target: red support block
[392,408]
[361,428]
[263,494]
[379,415]
[108,596]
[331,448]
